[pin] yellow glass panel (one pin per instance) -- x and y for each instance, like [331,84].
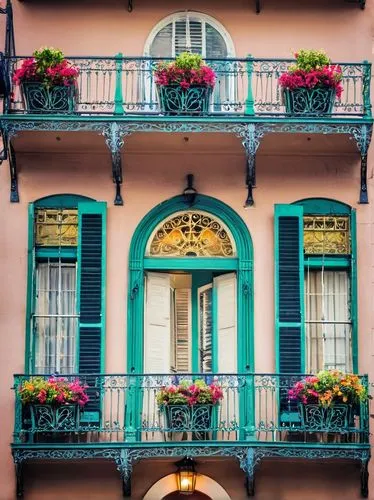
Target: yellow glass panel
[326,235]
[191,234]
[55,228]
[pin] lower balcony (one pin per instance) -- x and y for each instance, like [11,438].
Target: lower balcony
[251,417]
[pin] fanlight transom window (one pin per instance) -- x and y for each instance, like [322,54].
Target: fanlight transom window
[191,233]
[189,31]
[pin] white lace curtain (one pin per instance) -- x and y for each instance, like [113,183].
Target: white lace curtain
[328,321]
[55,320]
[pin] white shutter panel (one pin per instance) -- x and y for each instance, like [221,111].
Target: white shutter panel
[182,324]
[205,327]
[157,324]
[226,322]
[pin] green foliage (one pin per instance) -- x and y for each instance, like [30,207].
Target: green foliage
[309,60]
[47,57]
[188,61]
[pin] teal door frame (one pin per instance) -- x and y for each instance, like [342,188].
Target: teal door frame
[242,264]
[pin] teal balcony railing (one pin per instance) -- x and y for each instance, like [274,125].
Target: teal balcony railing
[255,407]
[245,87]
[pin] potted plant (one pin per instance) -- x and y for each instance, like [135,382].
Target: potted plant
[327,401]
[184,85]
[54,403]
[311,85]
[189,405]
[48,82]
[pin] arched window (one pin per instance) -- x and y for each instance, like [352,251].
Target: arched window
[191,234]
[189,31]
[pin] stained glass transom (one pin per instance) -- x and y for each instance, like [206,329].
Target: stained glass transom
[326,235]
[191,234]
[54,227]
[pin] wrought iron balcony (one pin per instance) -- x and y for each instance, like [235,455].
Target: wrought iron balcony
[254,408]
[124,86]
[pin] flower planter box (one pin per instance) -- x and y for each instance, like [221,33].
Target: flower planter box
[184,418]
[41,99]
[317,418]
[174,100]
[47,418]
[302,101]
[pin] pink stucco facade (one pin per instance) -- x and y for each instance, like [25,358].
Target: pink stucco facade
[290,167]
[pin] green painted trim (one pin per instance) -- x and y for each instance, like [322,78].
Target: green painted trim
[327,261]
[118,95]
[66,253]
[191,263]
[135,296]
[61,201]
[187,119]
[354,296]
[30,295]
[325,206]
[249,102]
[137,264]
[289,211]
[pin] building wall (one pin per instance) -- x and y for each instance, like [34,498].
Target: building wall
[344,31]
[155,167]
[289,168]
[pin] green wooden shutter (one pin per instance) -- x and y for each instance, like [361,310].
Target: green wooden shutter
[289,289]
[91,293]
[30,304]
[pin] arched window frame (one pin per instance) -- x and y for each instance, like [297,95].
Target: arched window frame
[178,214]
[91,222]
[193,14]
[290,307]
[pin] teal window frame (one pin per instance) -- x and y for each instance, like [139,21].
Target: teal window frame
[139,264]
[40,254]
[326,206]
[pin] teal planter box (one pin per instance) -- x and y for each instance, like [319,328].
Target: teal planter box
[317,418]
[47,418]
[197,419]
[174,100]
[40,99]
[317,101]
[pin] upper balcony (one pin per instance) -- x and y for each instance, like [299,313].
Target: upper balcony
[245,89]
[118,96]
[125,420]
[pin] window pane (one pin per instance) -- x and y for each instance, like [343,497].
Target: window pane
[55,321]
[328,322]
[162,43]
[215,44]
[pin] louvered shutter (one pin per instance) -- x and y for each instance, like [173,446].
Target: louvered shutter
[157,324]
[182,297]
[226,318]
[188,33]
[206,328]
[91,295]
[289,288]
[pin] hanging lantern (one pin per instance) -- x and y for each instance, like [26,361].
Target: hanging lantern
[186,476]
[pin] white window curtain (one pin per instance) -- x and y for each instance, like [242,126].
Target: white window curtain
[55,319]
[328,322]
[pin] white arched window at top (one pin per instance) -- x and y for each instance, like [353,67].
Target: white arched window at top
[201,34]
[191,32]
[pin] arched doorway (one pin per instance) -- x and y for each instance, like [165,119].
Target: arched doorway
[178,496]
[238,263]
[206,488]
